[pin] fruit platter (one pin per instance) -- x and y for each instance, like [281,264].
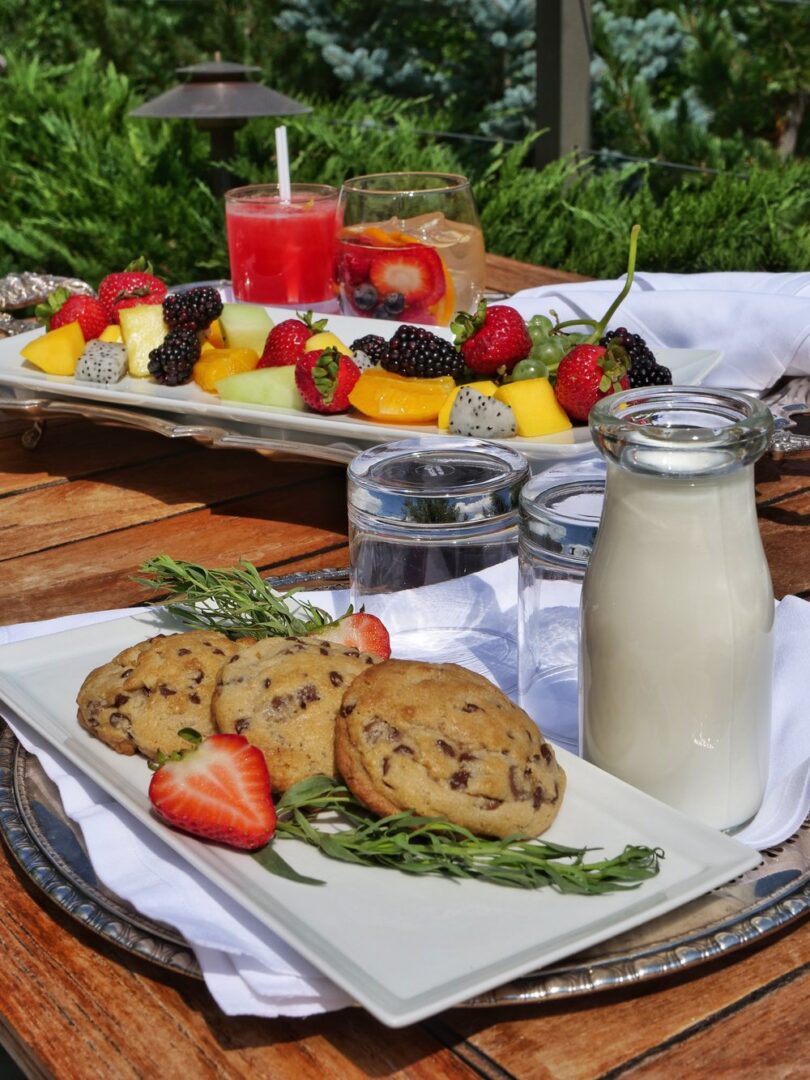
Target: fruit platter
[333,385]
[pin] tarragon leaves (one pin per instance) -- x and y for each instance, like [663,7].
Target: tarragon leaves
[236,601]
[420,845]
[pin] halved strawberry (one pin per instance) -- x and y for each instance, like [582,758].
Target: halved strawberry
[359,631]
[415,272]
[219,790]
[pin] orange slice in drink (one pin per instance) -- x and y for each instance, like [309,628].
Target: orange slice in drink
[397,399]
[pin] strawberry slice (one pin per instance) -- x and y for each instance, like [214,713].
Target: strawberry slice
[220,790]
[416,272]
[360,631]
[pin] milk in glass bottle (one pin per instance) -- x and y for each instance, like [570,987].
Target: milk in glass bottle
[677,604]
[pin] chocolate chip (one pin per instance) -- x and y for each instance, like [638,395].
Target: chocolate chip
[335,678]
[218,652]
[347,710]
[198,677]
[539,797]
[445,748]
[194,699]
[470,706]
[126,673]
[403,749]
[308,694]
[117,719]
[386,765]
[233,659]
[280,700]
[166,691]
[184,652]
[467,756]
[369,659]
[325,650]
[268,682]
[377,729]
[459,779]
[490,804]
[547,753]
[120,699]
[241,725]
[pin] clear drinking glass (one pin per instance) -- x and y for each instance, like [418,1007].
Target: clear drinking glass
[282,252]
[677,603]
[558,523]
[423,514]
[410,247]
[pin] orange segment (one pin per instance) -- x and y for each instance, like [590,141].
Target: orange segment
[216,364]
[373,234]
[397,399]
[214,335]
[445,308]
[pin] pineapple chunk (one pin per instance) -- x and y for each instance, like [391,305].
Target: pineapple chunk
[536,409]
[142,329]
[58,351]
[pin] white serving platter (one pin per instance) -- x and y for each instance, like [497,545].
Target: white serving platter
[347,434]
[403,947]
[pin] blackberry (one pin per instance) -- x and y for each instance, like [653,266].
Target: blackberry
[194,309]
[374,346]
[644,368]
[417,352]
[171,362]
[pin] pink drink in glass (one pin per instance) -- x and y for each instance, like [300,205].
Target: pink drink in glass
[282,252]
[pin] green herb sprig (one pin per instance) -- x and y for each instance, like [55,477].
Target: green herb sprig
[422,845]
[235,601]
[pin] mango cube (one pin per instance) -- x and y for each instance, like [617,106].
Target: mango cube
[58,351]
[536,409]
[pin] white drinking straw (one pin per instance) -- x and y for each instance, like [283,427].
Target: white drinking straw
[283,163]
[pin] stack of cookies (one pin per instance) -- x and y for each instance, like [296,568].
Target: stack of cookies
[433,738]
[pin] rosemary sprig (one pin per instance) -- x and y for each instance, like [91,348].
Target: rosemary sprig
[421,845]
[236,601]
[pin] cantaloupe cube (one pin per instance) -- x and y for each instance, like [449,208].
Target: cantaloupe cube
[142,330]
[58,351]
[536,409]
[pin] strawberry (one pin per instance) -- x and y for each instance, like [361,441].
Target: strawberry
[220,790]
[359,631]
[494,338]
[588,373]
[285,342]
[61,308]
[135,285]
[416,273]
[325,379]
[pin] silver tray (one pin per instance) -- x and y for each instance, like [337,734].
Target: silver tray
[50,850]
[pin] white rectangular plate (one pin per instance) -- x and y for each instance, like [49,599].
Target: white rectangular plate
[404,947]
[689,366]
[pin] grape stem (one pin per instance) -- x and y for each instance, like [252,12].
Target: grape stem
[611,311]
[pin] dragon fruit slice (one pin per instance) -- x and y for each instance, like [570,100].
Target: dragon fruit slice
[363,360]
[102,362]
[481,417]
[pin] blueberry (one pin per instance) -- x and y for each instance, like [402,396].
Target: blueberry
[394,303]
[365,297]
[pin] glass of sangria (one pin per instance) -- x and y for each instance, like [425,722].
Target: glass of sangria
[282,252]
[409,247]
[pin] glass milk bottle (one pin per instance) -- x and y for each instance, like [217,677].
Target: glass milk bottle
[677,604]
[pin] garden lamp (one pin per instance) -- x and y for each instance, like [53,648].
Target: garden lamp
[219,97]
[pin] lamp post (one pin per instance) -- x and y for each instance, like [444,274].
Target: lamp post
[220,98]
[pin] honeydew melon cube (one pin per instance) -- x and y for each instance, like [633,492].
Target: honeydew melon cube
[245,326]
[264,386]
[58,351]
[142,330]
[536,409]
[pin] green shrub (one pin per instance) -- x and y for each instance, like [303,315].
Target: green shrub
[86,188]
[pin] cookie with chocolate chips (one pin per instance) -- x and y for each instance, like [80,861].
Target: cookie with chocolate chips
[139,700]
[283,695]
[445,742]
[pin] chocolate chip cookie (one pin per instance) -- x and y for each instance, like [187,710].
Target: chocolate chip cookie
[283,695]
[446,742]
[139,700]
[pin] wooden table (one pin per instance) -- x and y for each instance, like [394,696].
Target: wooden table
[78,514]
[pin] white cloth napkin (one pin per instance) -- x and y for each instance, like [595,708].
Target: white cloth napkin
[760,322]
[249,970]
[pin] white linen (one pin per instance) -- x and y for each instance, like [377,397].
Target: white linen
[249,970]
[759,321]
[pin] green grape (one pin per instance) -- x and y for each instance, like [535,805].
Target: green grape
[550,351]
[530,368]
[539,327]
